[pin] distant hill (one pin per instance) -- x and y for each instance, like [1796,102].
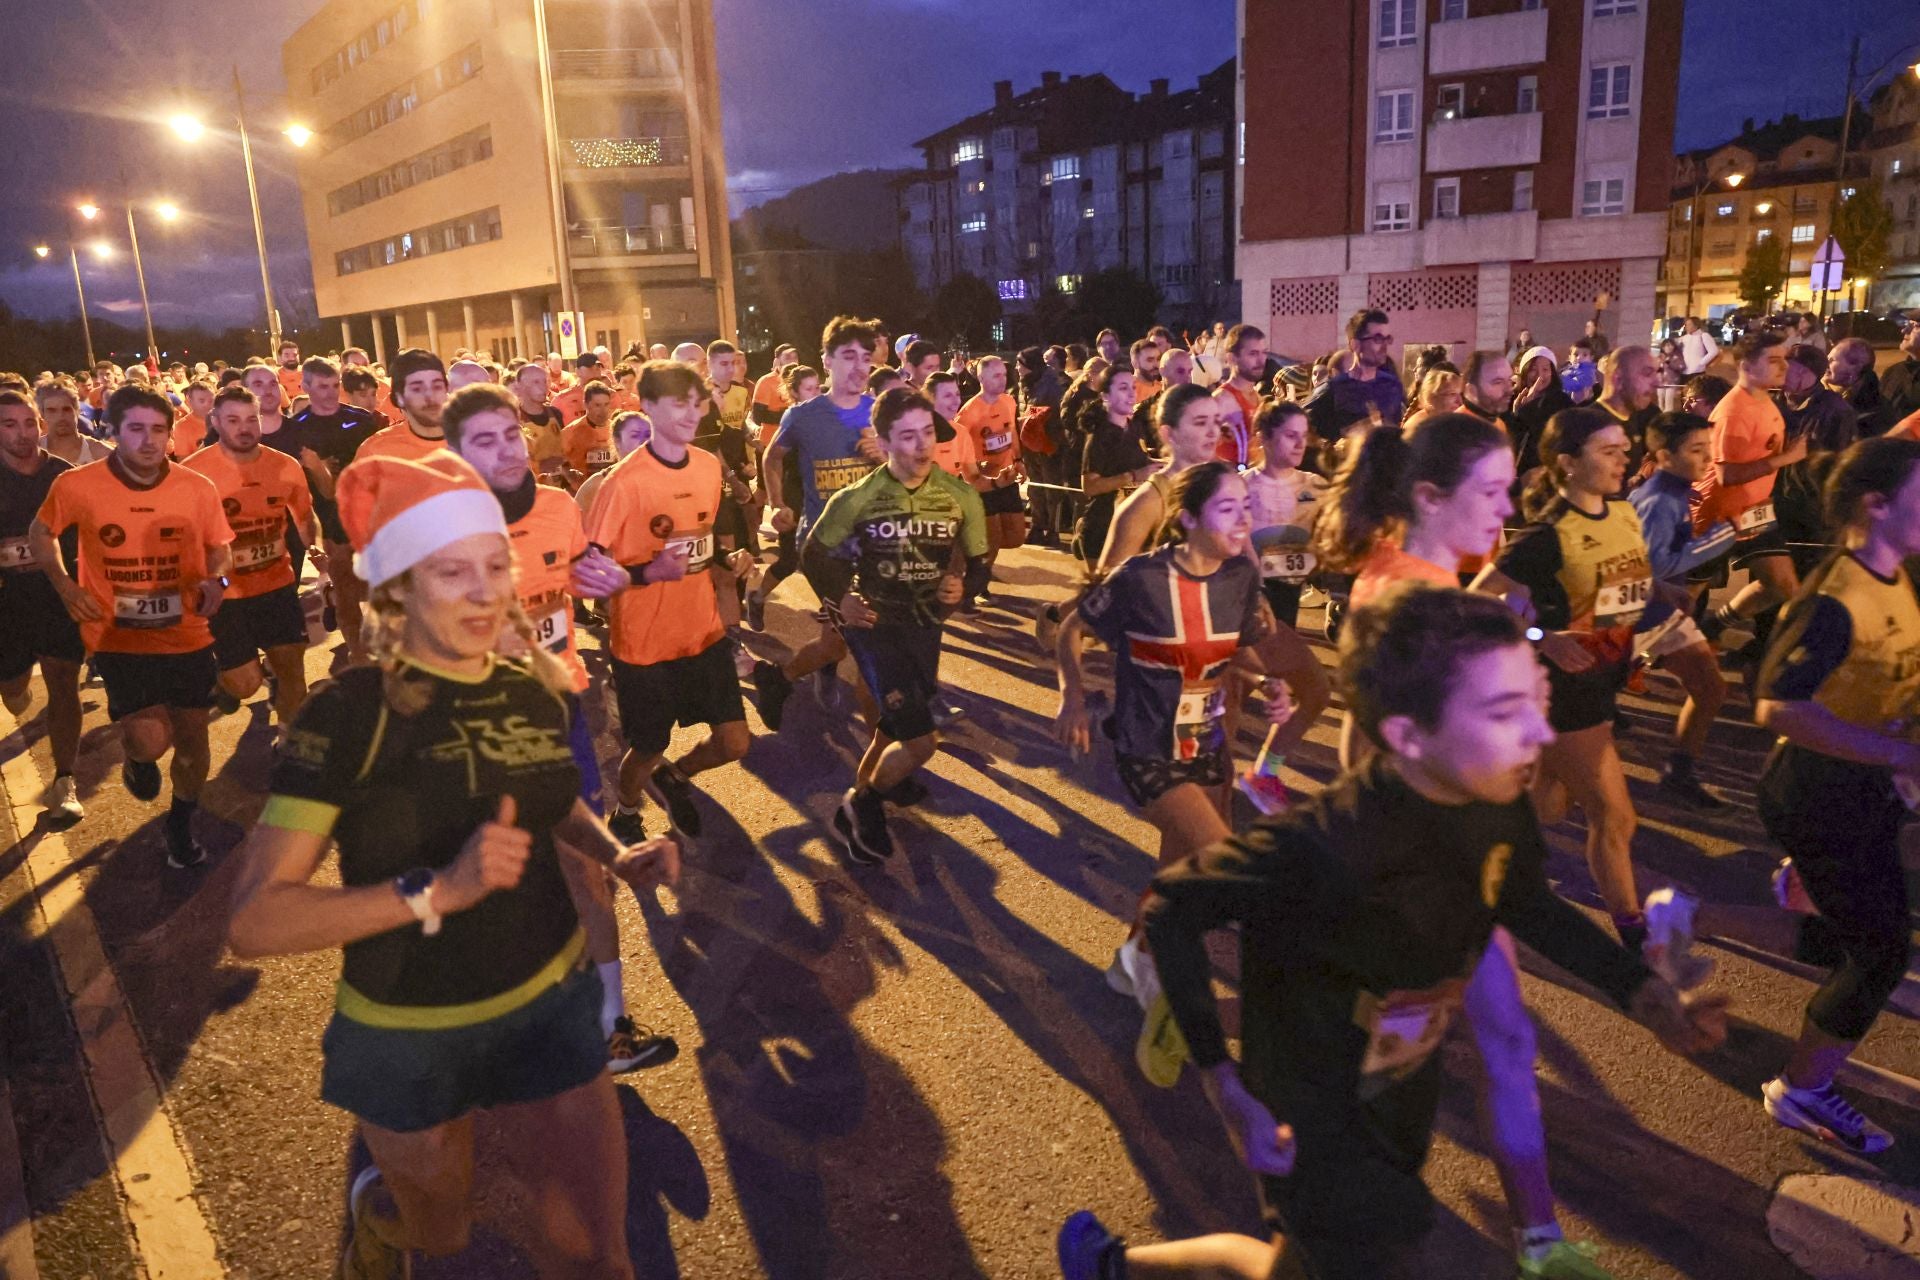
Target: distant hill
[853,212]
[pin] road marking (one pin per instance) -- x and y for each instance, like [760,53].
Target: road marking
[16,1217]
[150,1165]
[1833,1226]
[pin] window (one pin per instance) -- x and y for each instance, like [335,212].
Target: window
[1803,233]
[1452,10]
[1523,191]
[1066,284]
[977,187]
[1392,215]
[407,98]
[1846,193]
[1446,198]
[1805,204]
[441,237]
[436,162]
[1527,101]
[1452,101]
[1013,290]
[1609,89]
[1064,168]
[1720,249]
[1004,139]
[1723,211]
[1893,167]
[1396,23]
[1614,8]
[1087,211]
[1763,235]
[1603,197]
[1393,116]
[968,149]
[973,224]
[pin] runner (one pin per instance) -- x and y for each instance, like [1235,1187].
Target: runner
[264,494]
[1750,447]
[328,433]
[555,567]
[831,440]
[672,660]
[420,392]
[1631,397]
[1239,395]
[153,558]
[800,384]
[886,555]
[1370,904]
[359,388]
[1584,561]
[542,422]
[770,399]
[629,429]
[1144,359]
[59,405]
[1284,500]
[287,370]
[1367,387]
[462,987]
[194,430]
[572,403]
[952,448]
[989,419]
[1679,448]
[1112,464]
[264,381]
[37,630]
[723,433]
[587,442]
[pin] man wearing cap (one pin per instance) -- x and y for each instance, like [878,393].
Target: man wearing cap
[572,403]
[420,392]
[1900,385]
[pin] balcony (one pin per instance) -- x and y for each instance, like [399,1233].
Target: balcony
[622,156]
[1493,43]
[1483,142]
[1481,237]
[607,68]
[600,244]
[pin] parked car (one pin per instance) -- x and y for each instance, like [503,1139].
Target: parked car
[1882,330]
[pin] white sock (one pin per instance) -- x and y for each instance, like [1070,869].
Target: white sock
[613,996]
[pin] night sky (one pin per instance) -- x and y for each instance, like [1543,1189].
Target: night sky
[807,90]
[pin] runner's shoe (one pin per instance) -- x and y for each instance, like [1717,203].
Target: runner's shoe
[1789,892]
[635,1048]
[183,851]
[1824,1114]
[1668,948]
[829,690]
[371,1253]
[141,778]
[1565,1260]
[1682,785]
[224,703]
[861,823]
[1046,626]
[744,662]
[627,828]
[1088,1251]
[771,689]
[945,713]
[677,789]
[1161,1050]
[63,802]
[756,612]
[1131,973]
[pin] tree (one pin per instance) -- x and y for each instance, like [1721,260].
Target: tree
[1763,275]
[966,307]
[1120,299]
[1863,226]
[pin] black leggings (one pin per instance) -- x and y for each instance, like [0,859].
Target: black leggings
[1840,823]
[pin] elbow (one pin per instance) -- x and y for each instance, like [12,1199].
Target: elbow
[244,938]
[1772,714]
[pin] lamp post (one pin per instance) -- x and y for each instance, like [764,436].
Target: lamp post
[1733,181]
[556,193]
[73,255]
[189,129]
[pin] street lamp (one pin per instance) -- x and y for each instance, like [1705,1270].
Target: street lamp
[189,128]
[1733,181]
[41,251]
[166,211]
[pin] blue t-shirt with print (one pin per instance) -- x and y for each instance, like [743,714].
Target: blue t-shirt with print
[824,438]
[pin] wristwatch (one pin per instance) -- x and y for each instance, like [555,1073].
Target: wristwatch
[415,888]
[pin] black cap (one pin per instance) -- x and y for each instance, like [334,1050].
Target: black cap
[586,359]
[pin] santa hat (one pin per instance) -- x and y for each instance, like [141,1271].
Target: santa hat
[398,511]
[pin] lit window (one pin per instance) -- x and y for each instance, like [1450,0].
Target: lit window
[1893,166]
[1763,235]
[969,149]
[1013,290]
[1446,198]
[1603,197]
[974,224]
[1527,100]
[1065,167]
[1523,191]
[1087,212]
[1609,89]
[1846,193]
[1066,284]
[1393,117]
[1803,233]
[1723,211]
[1392,215]
[1614,8]
[1396,23]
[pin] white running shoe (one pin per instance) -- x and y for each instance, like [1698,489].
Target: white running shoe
[1119,971]
[63,802]
[1142,979]
[371,1253]
[1824,1114]
[1668,949]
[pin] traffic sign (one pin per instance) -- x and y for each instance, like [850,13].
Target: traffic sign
[570,325]
[1829,267]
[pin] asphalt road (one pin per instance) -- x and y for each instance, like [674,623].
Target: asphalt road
[910,1071]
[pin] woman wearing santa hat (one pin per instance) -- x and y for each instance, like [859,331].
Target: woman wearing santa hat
[444,775]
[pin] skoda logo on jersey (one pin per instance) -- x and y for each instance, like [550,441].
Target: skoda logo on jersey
[886,569]
[661,526]
[112,535]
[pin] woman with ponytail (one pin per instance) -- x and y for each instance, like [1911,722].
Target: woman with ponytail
[445,777]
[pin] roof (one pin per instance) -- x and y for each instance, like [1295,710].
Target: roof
[1053,107]
[1076,111]
[1770,139]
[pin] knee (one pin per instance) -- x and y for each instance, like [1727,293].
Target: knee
[1617,822]
[147,737]
[732,741]
[16,695]
[242,682]
[922,749]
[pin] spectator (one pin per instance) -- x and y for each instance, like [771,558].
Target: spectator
[1813,409]
[1596,341]
[1366,387]
[1537,397]
[1850,372]
[1807,333]
[1900,385]
[1521,345]
[1440,390]
[1697,347]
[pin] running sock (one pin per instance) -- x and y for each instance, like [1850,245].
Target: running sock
[613,995]
[1632,930]
[180,820]
[1680,765]
[1534,1243]
[626,810]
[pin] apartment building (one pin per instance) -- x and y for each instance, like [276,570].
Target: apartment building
[1774,181]
[1892,147]
[1076,176]
[428,191]
[1473,167]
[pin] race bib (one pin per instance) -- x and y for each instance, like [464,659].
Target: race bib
[1403,1030]
[600,457]
[1286,566]
[1198,728]
[147,612]
[1755,520]
[699,550]
[550,632]
[1620,604]
[16,555]
[250,557]
[994,444]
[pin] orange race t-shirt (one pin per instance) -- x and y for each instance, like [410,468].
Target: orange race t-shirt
[769,394]
[588,448]
[397,442]
[1388,564]
[546,541]
[258,497]
[290,382]
[956,456]
[143,553]
[644,507]
[1746,428]
[995,443]
[190,434]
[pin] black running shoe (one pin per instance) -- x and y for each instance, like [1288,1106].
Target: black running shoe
[627,827]
[861,824]
[756,612]
[1683,786]
[635,1048]
[771,689]
[141,778]
[184,852]
[677,790]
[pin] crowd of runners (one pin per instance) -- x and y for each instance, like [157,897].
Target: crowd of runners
[1500,550]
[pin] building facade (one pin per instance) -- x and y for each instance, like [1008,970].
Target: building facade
[1776,181]
[427,191]
[1892,147]
[1472,167]
[1078,176]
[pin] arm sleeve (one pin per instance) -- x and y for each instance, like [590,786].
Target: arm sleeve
[1552,926]
[1532,559]
[1273,871]
[1813,640]
[1705,549]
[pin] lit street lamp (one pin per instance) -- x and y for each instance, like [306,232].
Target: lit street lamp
[1733,181]
[100,250]
[166,211]
[189,128]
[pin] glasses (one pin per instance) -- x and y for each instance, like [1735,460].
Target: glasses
[1376,337]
